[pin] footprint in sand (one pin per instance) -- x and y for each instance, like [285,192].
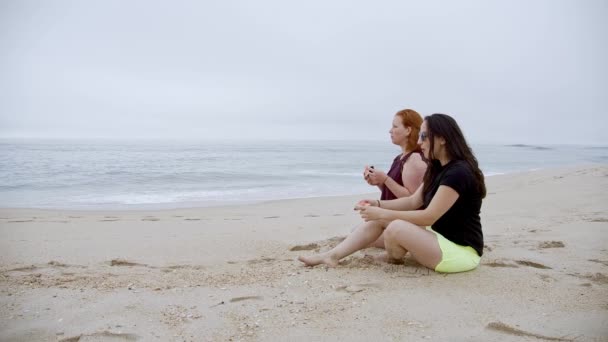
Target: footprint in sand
[104,336]
[333,242]
[599,278]
[546,278]
[603,262]
[240,299]
[551,244]
[329,243]
[182,267]
[499,264]
[261,260]
[150,219]
[532,264]
[60,264]
[407,267]
[122,262]
[307,247]
[539,230]
[51,263]
[503,328]
[357,287]
[24,268]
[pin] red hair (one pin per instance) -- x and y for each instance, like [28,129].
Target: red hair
[411,118]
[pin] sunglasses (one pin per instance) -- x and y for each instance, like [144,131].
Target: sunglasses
[423,136]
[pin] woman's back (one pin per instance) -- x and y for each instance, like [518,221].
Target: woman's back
[461,223]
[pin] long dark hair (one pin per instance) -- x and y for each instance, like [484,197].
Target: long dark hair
[444,126]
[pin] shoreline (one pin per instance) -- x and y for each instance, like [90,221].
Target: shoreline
[189,208]
[177,206]
[230,273]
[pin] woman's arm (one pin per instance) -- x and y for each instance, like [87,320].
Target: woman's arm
[413,172]
[411,175]
[443,200]
[412,202]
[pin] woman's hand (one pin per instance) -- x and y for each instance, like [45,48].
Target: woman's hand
[370,212]
[366,173]
[376,177]
[366,203]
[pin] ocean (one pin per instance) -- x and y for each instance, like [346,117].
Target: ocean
[162,175]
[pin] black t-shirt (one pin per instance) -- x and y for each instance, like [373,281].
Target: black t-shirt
[461,223]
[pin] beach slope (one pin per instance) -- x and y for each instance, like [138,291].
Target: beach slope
[230,273]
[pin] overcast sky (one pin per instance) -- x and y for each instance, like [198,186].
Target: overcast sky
[508,71]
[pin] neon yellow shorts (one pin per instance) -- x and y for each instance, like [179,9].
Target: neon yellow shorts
[456,258]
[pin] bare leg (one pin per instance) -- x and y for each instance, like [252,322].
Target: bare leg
[379,243]
[360,238]
[402,236]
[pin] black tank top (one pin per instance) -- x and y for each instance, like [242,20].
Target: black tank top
[395,173]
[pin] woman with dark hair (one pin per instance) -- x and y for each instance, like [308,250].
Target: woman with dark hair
[449,201]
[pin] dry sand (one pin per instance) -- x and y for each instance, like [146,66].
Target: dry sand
[229,273]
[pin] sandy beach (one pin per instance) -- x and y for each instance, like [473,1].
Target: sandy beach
[230,273]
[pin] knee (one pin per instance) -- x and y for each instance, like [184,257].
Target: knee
[394,228]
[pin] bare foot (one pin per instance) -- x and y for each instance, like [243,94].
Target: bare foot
[318,259]
[387,259]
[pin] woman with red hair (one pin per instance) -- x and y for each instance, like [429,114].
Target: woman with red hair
[407,171]
[408,168]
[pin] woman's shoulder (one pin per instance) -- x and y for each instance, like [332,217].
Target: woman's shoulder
[416,158]
[460,167]
[458,175]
